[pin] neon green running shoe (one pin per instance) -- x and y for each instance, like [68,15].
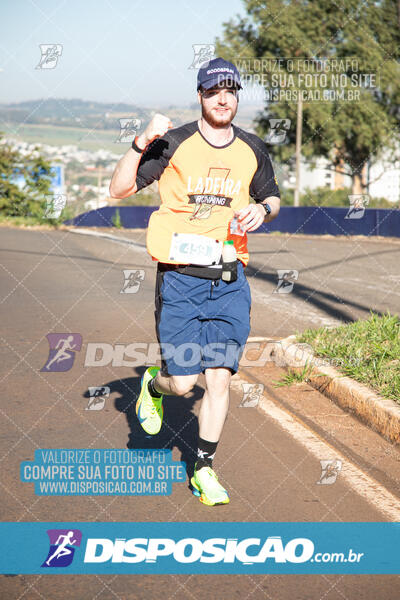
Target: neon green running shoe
[206,486]
[149,410]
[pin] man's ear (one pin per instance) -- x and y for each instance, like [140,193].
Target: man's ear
[199,97]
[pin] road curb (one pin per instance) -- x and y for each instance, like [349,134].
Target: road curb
[382,414]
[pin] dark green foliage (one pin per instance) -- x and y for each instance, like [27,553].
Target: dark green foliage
[346,132]
[30,201]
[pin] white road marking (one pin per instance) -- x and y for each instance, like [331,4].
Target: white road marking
[362,483]
[112,238]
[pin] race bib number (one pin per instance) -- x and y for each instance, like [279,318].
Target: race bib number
[194,249]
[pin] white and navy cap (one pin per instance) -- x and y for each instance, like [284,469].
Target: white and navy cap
[216,72]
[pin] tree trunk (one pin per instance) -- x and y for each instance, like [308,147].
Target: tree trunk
[359,181]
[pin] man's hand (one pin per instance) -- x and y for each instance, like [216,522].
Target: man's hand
[251,217]
[123,181]
[157,127]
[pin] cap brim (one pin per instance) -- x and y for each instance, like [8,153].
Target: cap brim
[207,85]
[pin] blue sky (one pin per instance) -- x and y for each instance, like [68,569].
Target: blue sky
[134,51]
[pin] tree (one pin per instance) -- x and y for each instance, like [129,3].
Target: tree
[28,199]
[347,132]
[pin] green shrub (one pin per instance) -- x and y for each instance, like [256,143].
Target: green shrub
[30,200]
[116,219]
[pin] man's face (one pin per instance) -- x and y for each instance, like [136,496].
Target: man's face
[219,104]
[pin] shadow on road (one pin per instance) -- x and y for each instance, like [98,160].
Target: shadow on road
[315,297]
[180,426]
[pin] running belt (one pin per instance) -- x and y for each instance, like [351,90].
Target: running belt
[205,272]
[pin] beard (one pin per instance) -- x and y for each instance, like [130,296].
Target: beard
[221,120]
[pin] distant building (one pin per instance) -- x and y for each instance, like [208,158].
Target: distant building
[383,176]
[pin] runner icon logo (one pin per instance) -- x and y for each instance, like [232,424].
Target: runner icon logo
[358,202]
[128,129]
[50,54]
[54,206]
[252,393]
[279,129]
[203,53]
[62,351]
[329,471]
[63,543]
[98,396]
[286,279]
[133,279]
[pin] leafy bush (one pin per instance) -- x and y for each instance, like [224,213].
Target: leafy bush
[28,200]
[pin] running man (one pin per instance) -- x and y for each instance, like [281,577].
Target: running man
[206,170]
[62,346]
[62,549]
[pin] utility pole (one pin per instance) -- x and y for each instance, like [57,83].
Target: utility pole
[99,179]
[298,149]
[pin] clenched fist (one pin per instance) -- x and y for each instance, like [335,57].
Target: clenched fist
[157,127]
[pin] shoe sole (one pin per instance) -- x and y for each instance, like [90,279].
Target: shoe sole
[138,407]
[203,498]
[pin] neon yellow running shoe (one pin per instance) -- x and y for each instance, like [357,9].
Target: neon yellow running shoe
[149,410]
[206,486]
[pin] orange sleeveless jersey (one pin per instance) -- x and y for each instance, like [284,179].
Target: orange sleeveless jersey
[201,185]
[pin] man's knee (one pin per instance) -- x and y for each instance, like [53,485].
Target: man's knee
[182,384]
[219,378]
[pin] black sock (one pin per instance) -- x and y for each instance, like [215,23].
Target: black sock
[205,453]
[152,390]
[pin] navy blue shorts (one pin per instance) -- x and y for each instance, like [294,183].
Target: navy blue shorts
[201,323]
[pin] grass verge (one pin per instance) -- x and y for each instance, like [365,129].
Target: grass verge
[368,351]
[295,376]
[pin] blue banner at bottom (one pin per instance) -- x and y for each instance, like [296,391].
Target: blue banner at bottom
[215,548]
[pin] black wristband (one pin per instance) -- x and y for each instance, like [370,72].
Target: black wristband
[267,208]
[136,148]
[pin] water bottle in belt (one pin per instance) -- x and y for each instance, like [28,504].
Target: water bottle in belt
[229,262]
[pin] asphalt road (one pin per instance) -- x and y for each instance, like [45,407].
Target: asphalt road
[63,282]
[338,279]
